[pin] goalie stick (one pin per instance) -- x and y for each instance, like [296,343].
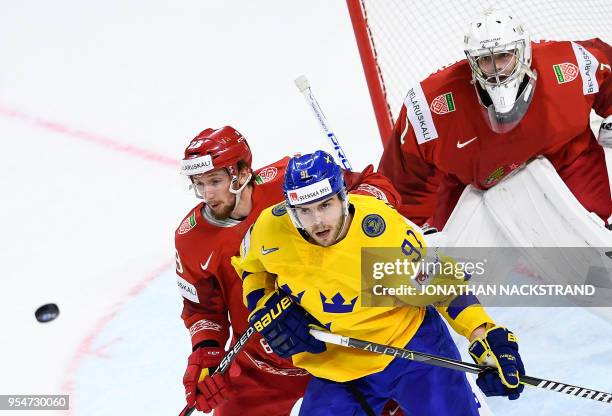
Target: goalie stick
[304,86]
[456,365]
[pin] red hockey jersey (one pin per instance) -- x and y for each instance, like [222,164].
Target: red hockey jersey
[211,290]
[441,141]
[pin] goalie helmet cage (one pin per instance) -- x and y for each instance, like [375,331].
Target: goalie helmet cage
[401,42]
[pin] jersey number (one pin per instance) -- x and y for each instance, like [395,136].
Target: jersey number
[179,266]
[265,346]
[409,246]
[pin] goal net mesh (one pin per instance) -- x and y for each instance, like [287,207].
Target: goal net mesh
[412,39]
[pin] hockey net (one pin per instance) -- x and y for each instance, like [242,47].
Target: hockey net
[401,42]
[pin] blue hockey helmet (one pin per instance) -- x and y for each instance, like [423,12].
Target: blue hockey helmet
[310,178]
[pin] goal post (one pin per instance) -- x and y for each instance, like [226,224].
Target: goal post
[401,42]
[367,53]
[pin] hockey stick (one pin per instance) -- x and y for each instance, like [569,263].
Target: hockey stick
[226,361]
[304,86]
[456,365]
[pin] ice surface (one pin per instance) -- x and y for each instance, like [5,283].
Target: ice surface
[97,101]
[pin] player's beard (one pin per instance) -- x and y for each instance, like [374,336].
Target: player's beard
[222,210]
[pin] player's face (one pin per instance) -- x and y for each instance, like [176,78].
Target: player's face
[214,186]
[501,64]
[322,220]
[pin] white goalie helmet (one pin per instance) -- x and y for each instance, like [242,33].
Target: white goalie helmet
[498,50]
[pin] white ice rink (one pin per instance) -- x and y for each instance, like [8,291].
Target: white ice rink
[97,101]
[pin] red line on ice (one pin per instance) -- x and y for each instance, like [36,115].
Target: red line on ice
[86,136]
[85,348]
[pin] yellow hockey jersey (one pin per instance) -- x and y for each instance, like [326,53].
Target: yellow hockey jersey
[326,282]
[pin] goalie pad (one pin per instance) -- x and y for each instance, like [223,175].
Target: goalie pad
[534,208]
[530,208]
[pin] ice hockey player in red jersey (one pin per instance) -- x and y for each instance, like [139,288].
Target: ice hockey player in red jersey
[259,383]
[510,101]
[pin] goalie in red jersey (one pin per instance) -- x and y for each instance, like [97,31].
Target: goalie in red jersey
[510,101]
[259,383]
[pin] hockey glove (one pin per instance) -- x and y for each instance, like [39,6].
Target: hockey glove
[285,325]
[499,349]
[203,389]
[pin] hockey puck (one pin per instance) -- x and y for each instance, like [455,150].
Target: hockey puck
[47,312]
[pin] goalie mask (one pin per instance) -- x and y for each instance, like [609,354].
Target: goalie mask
[499,53]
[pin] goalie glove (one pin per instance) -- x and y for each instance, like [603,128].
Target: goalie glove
[605,132]
[285,325]
[499,349]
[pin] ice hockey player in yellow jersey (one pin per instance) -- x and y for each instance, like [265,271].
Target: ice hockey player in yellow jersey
[309,248]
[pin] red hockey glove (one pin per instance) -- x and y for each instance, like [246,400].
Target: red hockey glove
[203,389]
